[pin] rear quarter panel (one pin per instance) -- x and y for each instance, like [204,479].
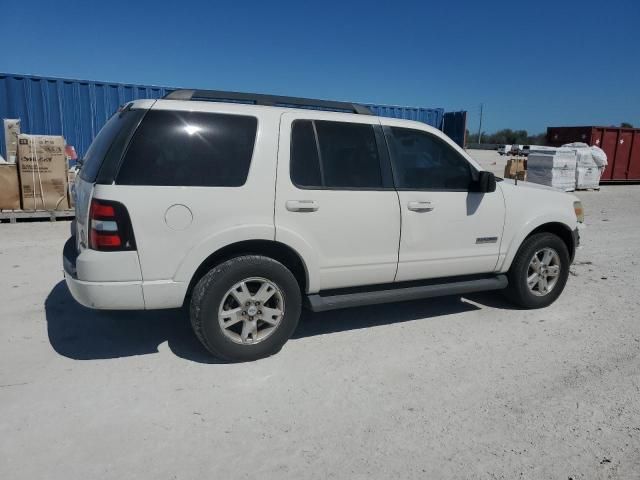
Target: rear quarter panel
[220,215]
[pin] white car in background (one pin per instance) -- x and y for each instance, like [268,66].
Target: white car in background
[247,207]
[504,149]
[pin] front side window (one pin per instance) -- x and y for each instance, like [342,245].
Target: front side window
[422,161]
[195,149]
[338,155]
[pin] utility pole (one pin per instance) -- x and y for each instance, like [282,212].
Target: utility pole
[480,126]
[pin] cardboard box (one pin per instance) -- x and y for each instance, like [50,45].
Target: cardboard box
[11,132]
[9,187]
[521,175]
[515,165]
[42,164]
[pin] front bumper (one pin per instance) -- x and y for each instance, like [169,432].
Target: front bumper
[121,295]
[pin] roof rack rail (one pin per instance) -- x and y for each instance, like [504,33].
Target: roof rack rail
[270,100]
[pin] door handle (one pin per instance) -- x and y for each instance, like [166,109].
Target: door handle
[420,206]
[302,205]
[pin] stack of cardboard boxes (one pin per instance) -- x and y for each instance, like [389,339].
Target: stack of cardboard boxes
[36,176]
[9,185]
[516,168]
[11,132]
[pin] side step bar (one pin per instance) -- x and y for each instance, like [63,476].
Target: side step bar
[321,303]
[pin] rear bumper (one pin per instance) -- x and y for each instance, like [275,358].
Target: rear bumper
[121,295]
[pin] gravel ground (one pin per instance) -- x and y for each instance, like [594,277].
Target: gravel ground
[444,388]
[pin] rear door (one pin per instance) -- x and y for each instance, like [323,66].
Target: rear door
[447,230]
[335,201]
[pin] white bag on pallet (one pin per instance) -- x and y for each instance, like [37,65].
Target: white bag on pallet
[591,162]
[587,177]
[555,168]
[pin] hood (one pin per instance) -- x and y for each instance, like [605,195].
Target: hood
[528,186]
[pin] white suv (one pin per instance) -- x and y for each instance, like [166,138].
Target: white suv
[244,207]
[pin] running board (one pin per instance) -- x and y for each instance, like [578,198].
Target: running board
[321,303]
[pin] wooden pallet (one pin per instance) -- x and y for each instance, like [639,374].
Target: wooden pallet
[13,216]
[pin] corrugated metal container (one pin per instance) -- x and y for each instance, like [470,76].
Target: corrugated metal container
[430,116]
[455,126]
[77,109]
[622,146]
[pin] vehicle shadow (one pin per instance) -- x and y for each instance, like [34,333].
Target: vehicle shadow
[334,321]
[83,334]
[493,299]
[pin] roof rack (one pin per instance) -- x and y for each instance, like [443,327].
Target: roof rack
[270,100]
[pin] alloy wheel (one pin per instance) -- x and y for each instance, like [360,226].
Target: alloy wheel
[251,311]
[543,272]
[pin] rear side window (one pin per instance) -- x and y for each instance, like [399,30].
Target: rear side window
[109,143]
[194,149]
[422,161]
[347,158]
[305,163]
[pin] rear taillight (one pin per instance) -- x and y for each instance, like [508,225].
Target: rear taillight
[110,227]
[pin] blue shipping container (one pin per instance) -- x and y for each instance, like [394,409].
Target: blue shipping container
[77,109]
[430,116]
[454,124]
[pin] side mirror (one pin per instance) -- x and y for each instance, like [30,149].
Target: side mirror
[486,183]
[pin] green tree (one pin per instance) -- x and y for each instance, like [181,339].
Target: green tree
[538,139]
[626,125]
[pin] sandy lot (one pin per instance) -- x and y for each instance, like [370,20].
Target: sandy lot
[490,160]
[446,388]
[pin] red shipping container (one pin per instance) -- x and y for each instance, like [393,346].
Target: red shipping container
[622,146]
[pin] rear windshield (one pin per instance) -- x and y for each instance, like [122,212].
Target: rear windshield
[113,136]
[195,149]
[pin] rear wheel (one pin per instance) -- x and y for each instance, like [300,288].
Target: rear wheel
[539,271]
[246,308]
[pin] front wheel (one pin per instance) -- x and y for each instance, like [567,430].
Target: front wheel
[246,308]
[539,271]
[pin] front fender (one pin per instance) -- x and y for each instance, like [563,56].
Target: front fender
[526,229]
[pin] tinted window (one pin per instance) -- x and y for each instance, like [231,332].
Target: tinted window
[305,165]
[190,149]
[423,161]
[118,127]
[348,155]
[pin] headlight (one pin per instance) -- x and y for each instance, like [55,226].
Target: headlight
[577,207]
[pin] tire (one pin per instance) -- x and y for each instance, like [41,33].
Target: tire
[519,292]
[213,297]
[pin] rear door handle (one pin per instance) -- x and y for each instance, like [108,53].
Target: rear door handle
[420,206]
[302,205]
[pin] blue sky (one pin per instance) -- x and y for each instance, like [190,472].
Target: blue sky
[532,64]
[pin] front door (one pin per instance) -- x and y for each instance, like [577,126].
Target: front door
[447,230]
